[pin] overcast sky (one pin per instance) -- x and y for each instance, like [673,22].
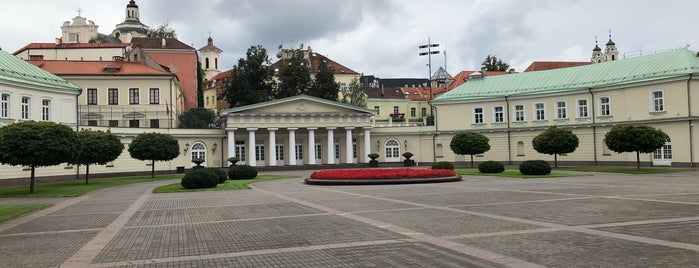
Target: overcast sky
[381,37]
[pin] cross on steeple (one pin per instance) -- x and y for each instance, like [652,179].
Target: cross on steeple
[79,11]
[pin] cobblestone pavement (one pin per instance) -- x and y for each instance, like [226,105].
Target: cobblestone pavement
[602,220]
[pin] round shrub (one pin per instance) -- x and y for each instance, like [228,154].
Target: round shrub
[200,178]
[241,172]
[535,167]
[220,173]
[442,165]
[491,167]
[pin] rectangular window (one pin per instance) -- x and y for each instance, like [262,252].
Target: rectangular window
[319,150]
[92,123]
[498,114]
[73,38]
[582,109]
[26,114]
[134,123]
[113,123]
[91,96]
[5,106]
[113,96]
[413,111]
[45,110]
[540,111]
[395,109]
[343,87]
[658,101]
[260,152]
[561,110]
[519,113]
[376,108]
[478,115]
[154,123]
[154,96]
[133,95]
[605,106]
[240,150]
[424,112]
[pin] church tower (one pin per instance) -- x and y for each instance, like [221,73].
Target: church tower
[610,52]
[132,26]
[210,59]
[597,56]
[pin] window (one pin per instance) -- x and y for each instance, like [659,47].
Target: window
[207,100]
[605,106]
[260,151]
[519,113]
[113,123]
[154,123]
[395,109]
[91,96]
[133,95]
[45,110]
[424,112]
[561,110]
[299,150]
[92,123]
[319,150]
[658,101]
[582,109]
[113,96]
[5,105]
[26,114]
[198,151]
[392,151]
[354,148]
[343,87]
[154,96]
[279,149]
[240,150]
[73,38]
[413,111]
[376,108]
[498,114]
[478,115]
[206,63]
[134,123]
[539,112]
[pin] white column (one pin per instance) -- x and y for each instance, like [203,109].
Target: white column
[251,147]
[349,152]
[331,145]
[231,142]
[272,147]
[367,143]
[312,146]
[292,146]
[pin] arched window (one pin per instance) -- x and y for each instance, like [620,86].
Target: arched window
[198,151]
[206,63]
[392,151]
[663,156]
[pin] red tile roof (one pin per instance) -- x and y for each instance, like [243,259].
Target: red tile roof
[70,46]
[157,43]
[462,77]
[548,65]
[112,68]
[316,58]
[220,78]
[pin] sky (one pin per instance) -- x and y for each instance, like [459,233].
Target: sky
[381,37]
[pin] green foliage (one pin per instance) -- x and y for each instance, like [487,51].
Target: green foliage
[555,141]
[491,167]
[355,94]
[251,80]
[162,31]
[229,185]
[639,139]
[241,172]
[469,143]
[535,167]
[492,63]
[294,76]
[198,117]
[154,147]
[442,165]
[37,144]
[324,85]
[12,211]
[96,147]
[220,173]
[200,84]
[200,178]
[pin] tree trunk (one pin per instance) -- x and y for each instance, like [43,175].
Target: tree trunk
[638,160]
[87,173]
[471,160]
[152,169]
[31,181]
[555,160]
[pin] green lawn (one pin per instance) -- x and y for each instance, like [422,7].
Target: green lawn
[12,211]
[228,185]
[514,174]
[625,170]
[76,187]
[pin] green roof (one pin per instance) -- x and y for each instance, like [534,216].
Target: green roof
[16,70]
[674,63]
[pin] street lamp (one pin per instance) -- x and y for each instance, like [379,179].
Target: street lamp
[429,53]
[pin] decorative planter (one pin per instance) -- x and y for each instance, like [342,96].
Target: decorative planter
[381,176]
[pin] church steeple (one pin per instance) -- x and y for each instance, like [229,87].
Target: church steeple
[209,57]
[610,52]
[132,11]
[597,56]
[132,26]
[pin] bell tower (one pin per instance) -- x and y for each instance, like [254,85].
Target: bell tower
[610,52]
[597,56]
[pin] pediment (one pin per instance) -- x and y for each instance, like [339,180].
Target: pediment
[301,104]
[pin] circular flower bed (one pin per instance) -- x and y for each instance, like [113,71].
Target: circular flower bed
[381,176]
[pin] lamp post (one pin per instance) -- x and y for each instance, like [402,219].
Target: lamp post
[429,53]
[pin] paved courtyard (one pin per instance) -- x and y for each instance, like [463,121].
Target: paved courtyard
[603,220]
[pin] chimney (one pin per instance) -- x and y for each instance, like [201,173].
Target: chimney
[483,70]
[511,71]
[118,59]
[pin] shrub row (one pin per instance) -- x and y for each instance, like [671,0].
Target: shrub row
[210,177]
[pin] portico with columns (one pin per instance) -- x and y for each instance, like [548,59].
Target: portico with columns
[300,130]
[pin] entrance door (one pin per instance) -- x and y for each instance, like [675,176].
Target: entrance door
[199,151]
[354,151]
[392,151]
[319,152]
[337,152]
[663,156]
[299,152]
[240,152]
[279,147]
[260,154]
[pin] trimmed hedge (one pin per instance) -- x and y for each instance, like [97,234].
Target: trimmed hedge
[220,173]
[200,178]
[535,167]
[491,167]
[442,165]
[242,172]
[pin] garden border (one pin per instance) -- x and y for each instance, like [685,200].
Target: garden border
[381,182]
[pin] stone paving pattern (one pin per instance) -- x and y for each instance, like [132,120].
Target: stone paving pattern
[599,220]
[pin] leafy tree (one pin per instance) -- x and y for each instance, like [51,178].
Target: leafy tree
[154,147]
[197,118]
[294,76]
[492,63]
[251,80]
[37,144]
[96,147]
[324,86]
[555,141]
[200,84]
[355,94]
[470,143]
[639,139]
[162,31]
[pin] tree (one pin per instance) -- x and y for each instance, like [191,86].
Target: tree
[197,118]
[294,76]
[96,147]
[36,144]
[200,84]
[639,139]
[162,31]
[492,63]
[555,141]
[324,86]
[154,147]
[251,80]
[469,143]
[355,94]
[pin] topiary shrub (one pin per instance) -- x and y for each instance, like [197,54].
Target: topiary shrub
[220,173]
[200,178]
[535,167]
[442,165]
[242,172]
[491,167]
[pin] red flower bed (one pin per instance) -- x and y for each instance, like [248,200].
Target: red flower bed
[381,174]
